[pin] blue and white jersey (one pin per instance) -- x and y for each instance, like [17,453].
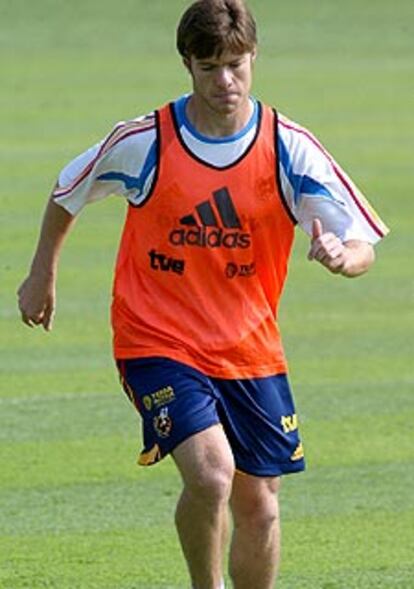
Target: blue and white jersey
[313,184]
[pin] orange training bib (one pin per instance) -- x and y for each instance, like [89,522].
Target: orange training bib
[203,260]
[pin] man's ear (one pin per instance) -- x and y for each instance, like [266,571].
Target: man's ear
[254,54]
[187,64]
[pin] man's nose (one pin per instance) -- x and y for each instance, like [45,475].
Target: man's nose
[223,77]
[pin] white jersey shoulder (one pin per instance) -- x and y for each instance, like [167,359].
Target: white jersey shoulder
[315,186]
[112,166]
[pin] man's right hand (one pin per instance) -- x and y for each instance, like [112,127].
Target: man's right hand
[37,294]
[36,300]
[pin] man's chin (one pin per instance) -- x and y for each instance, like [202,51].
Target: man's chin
[227,107]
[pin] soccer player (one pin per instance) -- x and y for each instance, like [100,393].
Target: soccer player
[215,183]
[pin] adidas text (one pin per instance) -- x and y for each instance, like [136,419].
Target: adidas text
[210,238]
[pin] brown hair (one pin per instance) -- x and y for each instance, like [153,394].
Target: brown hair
[209,27]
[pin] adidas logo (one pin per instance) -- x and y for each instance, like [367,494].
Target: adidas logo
[216,224]
[298,453]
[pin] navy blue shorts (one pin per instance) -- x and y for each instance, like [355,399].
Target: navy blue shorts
[176,401]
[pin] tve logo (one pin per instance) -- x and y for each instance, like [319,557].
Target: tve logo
[164,263]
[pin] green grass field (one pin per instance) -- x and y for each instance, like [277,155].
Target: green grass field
[75,511]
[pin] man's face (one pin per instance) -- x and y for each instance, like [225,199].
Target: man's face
[222,83]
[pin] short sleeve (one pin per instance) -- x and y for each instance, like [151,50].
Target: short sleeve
[315,186]
[123,163]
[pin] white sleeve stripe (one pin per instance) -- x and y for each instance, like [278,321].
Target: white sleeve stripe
[366,210]
[120,133]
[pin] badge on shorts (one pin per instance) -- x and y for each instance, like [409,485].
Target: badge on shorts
[163,423]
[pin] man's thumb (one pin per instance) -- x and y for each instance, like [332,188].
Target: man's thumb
[316,228]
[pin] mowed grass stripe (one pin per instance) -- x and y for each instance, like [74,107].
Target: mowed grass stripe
[362,543]
[142,558]
[105,504]
[65,417]
[400,576]
[50,464]
[361,439]
[91,506]
[348,490]
[87,560]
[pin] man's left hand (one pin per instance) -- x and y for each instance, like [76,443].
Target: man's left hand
[350,258]
[327,249]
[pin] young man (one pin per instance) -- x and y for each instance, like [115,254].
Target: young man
[215,183]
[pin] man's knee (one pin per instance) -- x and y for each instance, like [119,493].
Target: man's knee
[211,486]
[261,518]
[256,506]
[207,467]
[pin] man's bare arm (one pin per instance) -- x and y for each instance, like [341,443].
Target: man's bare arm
[37,293]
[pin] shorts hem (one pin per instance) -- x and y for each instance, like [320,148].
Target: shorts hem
[276,471]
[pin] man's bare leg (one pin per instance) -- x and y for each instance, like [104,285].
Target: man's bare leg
[206,464]
[255,548]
